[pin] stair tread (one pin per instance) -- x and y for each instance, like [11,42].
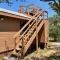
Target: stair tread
[28,36]
[18,48]
[14,52]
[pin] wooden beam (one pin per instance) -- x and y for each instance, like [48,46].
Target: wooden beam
[14,16]
[46,32]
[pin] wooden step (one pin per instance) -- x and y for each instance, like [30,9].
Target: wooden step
[14,53]
[18,49]
[29,33]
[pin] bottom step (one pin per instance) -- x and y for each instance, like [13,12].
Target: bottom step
[14,54]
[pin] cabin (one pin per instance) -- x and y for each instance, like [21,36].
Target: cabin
[10,23]
[23,30]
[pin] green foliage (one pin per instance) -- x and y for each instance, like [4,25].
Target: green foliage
[9,1]
[54,4]
[6,1]
[54,27]
[53,57]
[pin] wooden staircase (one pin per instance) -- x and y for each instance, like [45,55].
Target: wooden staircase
[27,34]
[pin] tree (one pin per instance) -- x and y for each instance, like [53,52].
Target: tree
[10,1]
[54,4]
[5,1]
[54,27]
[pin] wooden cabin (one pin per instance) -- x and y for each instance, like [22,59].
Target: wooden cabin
[12,22]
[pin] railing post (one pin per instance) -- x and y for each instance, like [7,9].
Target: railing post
[7,48]
[27,10]
[36,36]
[22,52]
[15,43]
[20,9]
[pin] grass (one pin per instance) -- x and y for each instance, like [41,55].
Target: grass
[1,58]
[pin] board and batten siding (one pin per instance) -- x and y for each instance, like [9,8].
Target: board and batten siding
[8,27]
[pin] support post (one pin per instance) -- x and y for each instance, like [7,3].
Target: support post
[46,32]
[36,36]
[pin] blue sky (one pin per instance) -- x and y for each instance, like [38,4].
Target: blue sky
[15,5]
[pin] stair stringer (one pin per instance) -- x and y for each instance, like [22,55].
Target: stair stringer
[32,38]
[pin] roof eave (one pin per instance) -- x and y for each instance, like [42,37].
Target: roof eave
[13,15]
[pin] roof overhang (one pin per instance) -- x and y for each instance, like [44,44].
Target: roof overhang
[13,14]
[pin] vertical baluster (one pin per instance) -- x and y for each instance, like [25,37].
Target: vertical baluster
[20,9]
[15,43]
[36,36]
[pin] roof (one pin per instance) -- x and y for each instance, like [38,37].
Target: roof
[14,13]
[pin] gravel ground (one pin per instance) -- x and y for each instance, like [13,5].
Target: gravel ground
[37,55]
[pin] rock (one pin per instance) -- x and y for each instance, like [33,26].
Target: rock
[11,58]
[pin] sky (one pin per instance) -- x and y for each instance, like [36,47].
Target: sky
[15,5]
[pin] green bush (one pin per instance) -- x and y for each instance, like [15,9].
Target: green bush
[54,27]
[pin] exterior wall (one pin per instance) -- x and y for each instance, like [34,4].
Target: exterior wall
[8,27]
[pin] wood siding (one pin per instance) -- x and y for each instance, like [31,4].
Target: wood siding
[8,27]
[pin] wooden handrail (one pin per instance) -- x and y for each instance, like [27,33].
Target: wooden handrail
[38,22]
[29,32]
[28,28]
[25,25]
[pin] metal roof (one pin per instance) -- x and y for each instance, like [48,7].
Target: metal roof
[12,12]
